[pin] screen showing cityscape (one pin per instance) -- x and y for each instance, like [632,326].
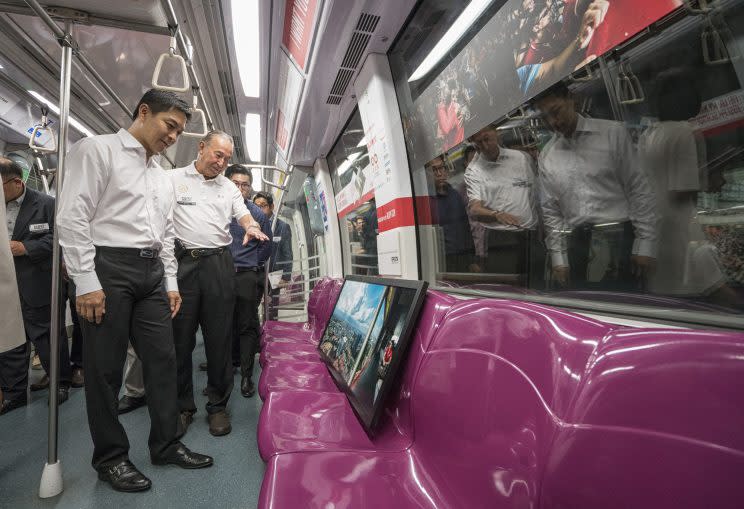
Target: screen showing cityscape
[367,337]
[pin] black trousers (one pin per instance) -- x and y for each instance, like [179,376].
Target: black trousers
[246,328]
[137,310]
[207,286]
[37,322]
[76,349]
[14,373]
[517,252]
[618,273]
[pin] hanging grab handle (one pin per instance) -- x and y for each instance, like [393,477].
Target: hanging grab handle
[629,89]
[38,132]
[171,54]
[197,117]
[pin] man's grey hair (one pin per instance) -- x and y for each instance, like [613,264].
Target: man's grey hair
[217,133]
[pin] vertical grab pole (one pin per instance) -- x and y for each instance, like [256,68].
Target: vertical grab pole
[282,190]
[51,478]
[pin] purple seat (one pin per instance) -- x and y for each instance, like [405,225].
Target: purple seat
[318,316]
[466,450]
[659,422]
[296,375]
[275,328]
[304,421]
[536,407]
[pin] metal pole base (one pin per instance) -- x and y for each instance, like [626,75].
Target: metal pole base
[51,483]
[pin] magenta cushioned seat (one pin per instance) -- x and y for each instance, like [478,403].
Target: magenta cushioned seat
[465,450]
[302,421]
[296,375]
[318,315]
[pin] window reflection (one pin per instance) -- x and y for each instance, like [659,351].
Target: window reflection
[620,181]
[353,186]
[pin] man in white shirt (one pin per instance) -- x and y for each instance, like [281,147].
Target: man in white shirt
[501,197]
[115,223]
[206,203]
[592,186]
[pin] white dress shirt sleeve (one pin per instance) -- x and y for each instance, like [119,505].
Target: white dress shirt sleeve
[89,166]
[555,225]
[238,204]
[641,200]
[167,253]
[472,183]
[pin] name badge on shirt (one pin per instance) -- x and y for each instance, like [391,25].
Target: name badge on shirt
[40,227]
[185,200]
[521,183]
[277,239]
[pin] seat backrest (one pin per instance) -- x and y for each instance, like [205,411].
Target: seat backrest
[658,410]
[397,421]
[496,378]
[316,299]
[325,308]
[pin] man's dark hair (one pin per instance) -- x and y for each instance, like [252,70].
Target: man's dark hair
[469,149]
[266,196]
[559,90]
[240,170]
[10,169]
[160,100]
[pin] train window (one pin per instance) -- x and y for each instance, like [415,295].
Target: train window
[586,154]
[353,186]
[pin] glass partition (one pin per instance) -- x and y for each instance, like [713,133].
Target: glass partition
[353,186]
[582,153]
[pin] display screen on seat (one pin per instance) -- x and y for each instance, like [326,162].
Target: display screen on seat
[366,339]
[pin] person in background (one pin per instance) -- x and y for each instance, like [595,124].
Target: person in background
[281,249]
[452,216]
[13,339]
[249,263]
[30,226]
[501,197]
[592,185]
[116,231]
[206,203]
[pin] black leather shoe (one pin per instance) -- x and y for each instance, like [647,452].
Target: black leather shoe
[246,387]
[42,384]
[129,403]
[124,477]
[181,456]
[11,404]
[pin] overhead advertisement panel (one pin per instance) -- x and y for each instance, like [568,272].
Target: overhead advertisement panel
[290,92]
[525,48]
[299,26]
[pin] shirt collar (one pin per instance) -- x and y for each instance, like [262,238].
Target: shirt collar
[129,141]
[219,180]
[19,200]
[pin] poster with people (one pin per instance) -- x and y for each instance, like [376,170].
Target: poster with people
[525,48]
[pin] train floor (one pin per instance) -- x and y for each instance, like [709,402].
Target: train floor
[233,482]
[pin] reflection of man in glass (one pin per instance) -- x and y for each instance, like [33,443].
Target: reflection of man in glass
[452,216]
[500,188]
[672,156]
[592,185]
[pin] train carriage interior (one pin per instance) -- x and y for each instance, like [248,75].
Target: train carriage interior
[496,254]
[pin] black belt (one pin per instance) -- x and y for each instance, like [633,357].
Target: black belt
[203,251]
[248,269]
[132,251]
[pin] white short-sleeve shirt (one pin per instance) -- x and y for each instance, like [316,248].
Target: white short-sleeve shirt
[204,208]
[505,185]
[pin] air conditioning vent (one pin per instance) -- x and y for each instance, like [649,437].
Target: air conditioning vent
[367,22]
[354,52]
